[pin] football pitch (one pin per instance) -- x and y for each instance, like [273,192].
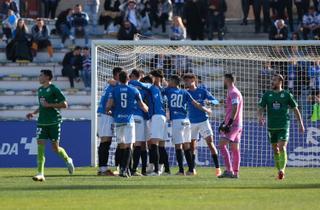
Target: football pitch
[256,189]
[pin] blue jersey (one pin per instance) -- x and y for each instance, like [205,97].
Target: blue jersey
[200,95]
[104,98]
[177,102]
[156,94]
[124,97]
[149,102]
[137,110]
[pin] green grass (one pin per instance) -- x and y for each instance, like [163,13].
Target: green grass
[256,189]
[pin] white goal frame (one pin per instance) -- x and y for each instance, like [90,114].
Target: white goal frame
[96,43]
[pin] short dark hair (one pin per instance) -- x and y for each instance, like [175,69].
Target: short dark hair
[146,79]
[116,70]
[123,76]
[48,73]
[135,73]
[77,48]
[189,76]
[230,77]
[175,78]
[85,48]
[157,73]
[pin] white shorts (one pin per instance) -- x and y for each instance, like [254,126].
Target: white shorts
[125,133]
[105,125]
[158,128]
[181,131]
[202,128]
[148,130]
[140,128]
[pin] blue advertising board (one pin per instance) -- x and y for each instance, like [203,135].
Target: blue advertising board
[18,145]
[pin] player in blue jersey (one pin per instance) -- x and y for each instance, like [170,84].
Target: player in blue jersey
[105,127]
[158,125]
[140,129]
[178,102]
[121,103]
[199,120]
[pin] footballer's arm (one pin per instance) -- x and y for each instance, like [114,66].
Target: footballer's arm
[61,105]
[200,107]
[261,117]
[299,118]
[143,106]
[31,114]
[109,105]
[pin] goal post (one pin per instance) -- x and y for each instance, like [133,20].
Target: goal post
[252,62]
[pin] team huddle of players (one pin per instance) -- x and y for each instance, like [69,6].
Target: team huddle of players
[135,113]
[134,108]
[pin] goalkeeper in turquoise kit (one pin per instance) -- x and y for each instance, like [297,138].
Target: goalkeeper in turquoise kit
[51,100]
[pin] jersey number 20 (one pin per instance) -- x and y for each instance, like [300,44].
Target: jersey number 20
[123,97]
[176,101]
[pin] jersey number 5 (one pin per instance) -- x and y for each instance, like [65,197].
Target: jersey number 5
[123,97]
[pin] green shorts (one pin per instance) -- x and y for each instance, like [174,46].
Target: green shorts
[51,132]
[278,135]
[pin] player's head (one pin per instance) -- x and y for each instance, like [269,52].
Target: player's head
[158,75]
[142,73]
[116,71]
[147,79]
[228,80]
[277,81]
[123,77]
[189,80]
[45,76]
[174,80]
[135,75]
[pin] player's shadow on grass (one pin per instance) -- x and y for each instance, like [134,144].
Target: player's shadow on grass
[159,187]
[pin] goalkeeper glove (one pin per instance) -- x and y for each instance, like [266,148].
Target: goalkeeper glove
[226,127]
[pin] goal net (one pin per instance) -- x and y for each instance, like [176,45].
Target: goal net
[252,62]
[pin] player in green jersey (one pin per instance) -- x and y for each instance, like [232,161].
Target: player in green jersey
[51,100]
[277,103]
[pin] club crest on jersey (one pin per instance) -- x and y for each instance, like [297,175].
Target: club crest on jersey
[48,90]
[270,95]
[282,95]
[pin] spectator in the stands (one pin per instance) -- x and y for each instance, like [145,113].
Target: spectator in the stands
[177,29]
[130,12]
[195,12]
[20,46]
[40,38]
[284,11]
[178,7]
[63,26]
[245,5]
[91,7]
[314,76]
[127,31]
[164,10]
[50,8]
[164,62]
[295,36]
[9,5]
[111,16]
[79,21]
[311,24]
[8,26]
[302,8]
[72,64]
[297,76]
[86,67]
[265,6]
[279,30]
[216,17]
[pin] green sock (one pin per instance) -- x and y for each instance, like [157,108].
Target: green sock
[62,153]
[41,158]
[283,160]
[277,160]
